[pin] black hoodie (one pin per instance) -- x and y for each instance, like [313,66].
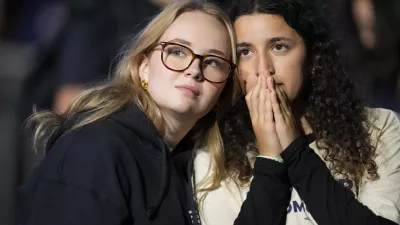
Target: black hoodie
[116,170]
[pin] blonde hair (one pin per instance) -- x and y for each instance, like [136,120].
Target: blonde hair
[101,101]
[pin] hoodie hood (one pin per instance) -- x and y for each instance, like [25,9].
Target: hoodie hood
[134,119]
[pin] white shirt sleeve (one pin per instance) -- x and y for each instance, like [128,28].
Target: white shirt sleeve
[382,196]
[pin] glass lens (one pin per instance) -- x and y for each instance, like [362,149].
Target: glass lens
[177,57]
[215,69]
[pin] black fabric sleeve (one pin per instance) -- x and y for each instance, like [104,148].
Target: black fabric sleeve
[327,200]
[269,195]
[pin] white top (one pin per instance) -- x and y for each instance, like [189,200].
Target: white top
[382,196]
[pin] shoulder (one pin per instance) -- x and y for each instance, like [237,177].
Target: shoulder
[385,136]
[384,121]
[90,153]
[88,160]
[93,138]
[383,124]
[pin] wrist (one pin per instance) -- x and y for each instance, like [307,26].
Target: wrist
[269,153]
[274,158]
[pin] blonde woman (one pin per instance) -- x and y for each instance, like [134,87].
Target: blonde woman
[108,157]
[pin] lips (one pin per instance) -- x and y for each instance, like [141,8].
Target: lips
[189,89]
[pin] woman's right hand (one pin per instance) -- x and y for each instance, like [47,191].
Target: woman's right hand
[262,118]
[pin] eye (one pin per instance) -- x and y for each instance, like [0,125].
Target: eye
[177,52]
[213,63]
[244,52]
[280,47]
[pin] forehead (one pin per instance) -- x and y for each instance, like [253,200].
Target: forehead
[262,26]
[202,30]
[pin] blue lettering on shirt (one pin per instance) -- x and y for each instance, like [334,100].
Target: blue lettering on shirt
[295,206]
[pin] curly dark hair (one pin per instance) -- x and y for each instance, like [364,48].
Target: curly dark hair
[333,109]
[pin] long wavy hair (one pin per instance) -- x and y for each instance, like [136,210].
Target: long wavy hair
[124,88]
[337,117]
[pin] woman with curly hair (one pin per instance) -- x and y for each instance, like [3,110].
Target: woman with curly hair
[336,160]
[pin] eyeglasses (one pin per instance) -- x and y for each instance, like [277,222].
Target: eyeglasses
[178,58]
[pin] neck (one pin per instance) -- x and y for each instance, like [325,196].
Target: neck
[176,127]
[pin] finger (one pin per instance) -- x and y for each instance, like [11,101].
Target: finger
[262,99]
[256,94]
[270,83]
[279,96]
[276,108]
[269,114]
[248,100]
[276,104]
[272,87]
[284,101]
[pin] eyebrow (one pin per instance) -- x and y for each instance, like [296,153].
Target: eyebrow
[276,39]
[181,41]
[243,44]
[187,43]
[272,40]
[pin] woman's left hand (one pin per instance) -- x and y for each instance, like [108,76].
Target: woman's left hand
[285,124]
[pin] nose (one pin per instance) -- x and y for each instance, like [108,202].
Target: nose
[248,71]
[264,66]
[194,70]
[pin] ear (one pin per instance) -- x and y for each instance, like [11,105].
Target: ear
[144,69]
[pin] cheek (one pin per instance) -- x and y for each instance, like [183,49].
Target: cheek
[157,70]
[212,92]
[247,79]
[159,76]
[293,81]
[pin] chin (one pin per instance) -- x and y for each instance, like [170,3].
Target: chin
[182,109]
